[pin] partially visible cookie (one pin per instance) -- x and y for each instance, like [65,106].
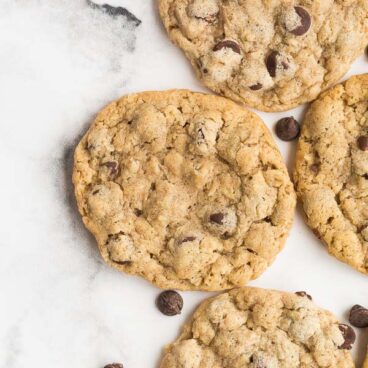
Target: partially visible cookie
[270,54]
[184,189]
[256,328]
[331,173]
[365,365]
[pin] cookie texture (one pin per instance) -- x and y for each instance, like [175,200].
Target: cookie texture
[331,173]
[256,328]
[270,54]
[185,189]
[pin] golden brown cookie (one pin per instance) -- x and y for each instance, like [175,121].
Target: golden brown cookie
[256,328]
[270,54]
[331,173]
[184,189]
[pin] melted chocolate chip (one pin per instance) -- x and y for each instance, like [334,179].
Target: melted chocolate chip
[363,142]
[303,294]
[348,335]
[227,44]
[188,239]
[256,87]
[358,316]
[287,129]
[271,63]
[217,218]
[305,22]
[113,166]
[114,365]
[170,303]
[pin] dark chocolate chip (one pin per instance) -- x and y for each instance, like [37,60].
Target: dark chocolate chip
[358,316]
[138,212]
[115,11]
[348,335]
[366,51]
[227,44]
[305,22]
[271,63]
[114,365]
[314,168]
[188,239]
[217,218]
[303,294]
[170,303]
[363,142]
[113,166]
[365,176]
[287,129]
[256,87]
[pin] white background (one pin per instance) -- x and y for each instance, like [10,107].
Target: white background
[60,306]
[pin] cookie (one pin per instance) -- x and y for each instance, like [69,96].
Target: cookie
[270,54]
[331,173]
[365,365]
[256,328]
[184,189]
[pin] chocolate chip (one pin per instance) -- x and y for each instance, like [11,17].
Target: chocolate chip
[138,212]
[287,129]
[227,44]
[363,142]
[114,365]
[348,335]
[256,87]
[271,63]
[358,316]
[113,166]
[188,239]
[170,303]
[303,294]
[217,218]
[314,168]
[305,22]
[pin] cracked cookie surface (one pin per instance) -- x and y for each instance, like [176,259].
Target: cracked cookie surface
[256,328]
[331,173]
[184,189]
[270,54]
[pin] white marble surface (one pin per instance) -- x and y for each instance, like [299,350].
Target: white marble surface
[60,62]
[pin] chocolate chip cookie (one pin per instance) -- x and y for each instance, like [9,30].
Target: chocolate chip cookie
[331,173]
[257,328]
[270,54]
[184,189]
